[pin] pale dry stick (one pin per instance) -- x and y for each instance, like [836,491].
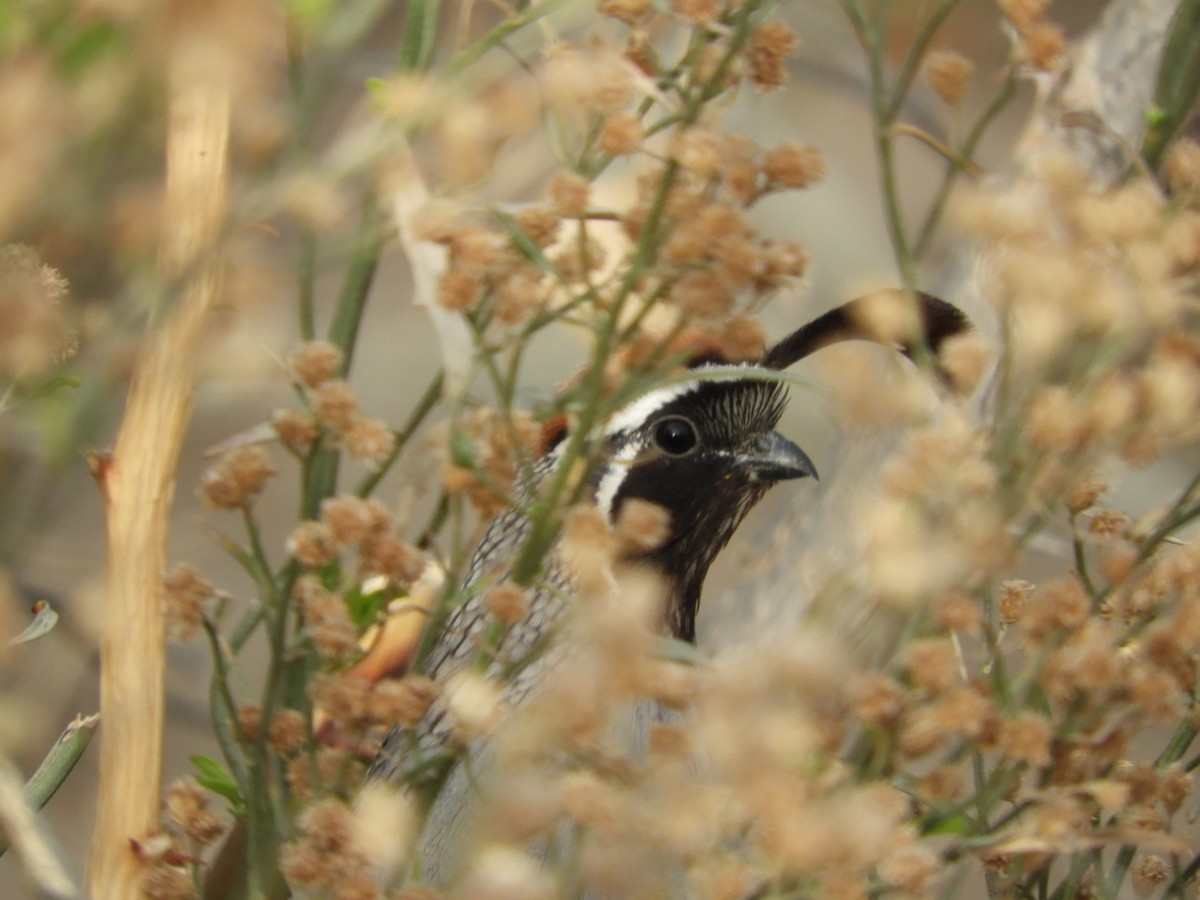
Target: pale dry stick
[138,485]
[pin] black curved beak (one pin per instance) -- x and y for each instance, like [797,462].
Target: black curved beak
[772,457]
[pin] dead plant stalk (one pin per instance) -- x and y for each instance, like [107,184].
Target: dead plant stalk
[139,484]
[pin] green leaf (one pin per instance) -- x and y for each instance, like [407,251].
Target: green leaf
[82,48]
[462,453]
[955,823]
[365,607]
[44,620]
[420,34]
[58,764]
[375,88]
[54,384]
[524,244]
[213,776]
[331,576]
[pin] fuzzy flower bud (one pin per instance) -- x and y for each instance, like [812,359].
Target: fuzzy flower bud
[33,327]
[1013,596]
[186,594]
[768,49]
[622,133]
[312,544]
[1023,13]
[402,701]
[287,732]
[506,603]
[368,439]
[390,555]
[187,806]
[932,664]
[351,519]
[568,194]
[627,11]
[315,362]
[1149,874]
[948,71]
[335,404]
[794,165]
[237,478]
[1044,46]
[343,696]
[473,702]
[965,358]
[1084,493]
[702,11]
[326,621]
[297,430]
[457,291]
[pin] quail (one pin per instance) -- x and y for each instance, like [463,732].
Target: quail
[705,450]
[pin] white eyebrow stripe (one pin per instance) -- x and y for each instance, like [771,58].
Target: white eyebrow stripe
[639,411]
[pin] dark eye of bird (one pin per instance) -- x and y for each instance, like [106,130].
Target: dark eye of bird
[675,436]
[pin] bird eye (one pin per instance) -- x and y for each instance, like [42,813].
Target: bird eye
[675,436]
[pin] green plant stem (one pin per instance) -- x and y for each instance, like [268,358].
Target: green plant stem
[544,524]
[954,168]
[360,273]
[1178,83]
[1081,566]
[1180,741]
[1120,867]
[881,126]
[306,259]
[258,554]
[466,57]
[306,273]
[1178,516]
[915,56]
[429,399]
[263,802]
[1182,877]
[886,105]
[259,857]
[224,711]
[321,471]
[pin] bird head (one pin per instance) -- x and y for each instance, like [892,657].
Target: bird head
[706,450]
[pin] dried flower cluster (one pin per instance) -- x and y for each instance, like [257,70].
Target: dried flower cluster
[237,478]
[186,596]
[1041,42]
[947,71]
[366,526]
[34,328]
[332,409]
[487,451]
